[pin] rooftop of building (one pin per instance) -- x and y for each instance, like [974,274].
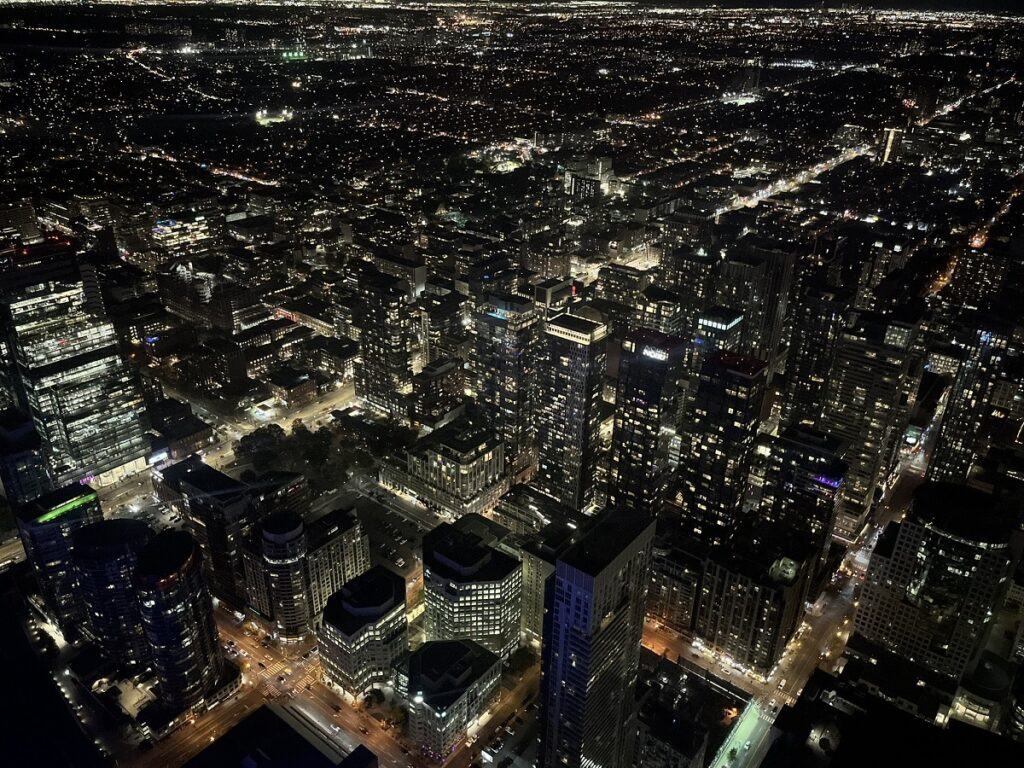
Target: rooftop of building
[441,367]
[735,362]
[166,553]
[441,671]
[324,528]
[364,599]
[287,377]
[465,435]
[339,346]
[111,536]
[821,442]
[282,524]
[651,338]
[598,546]
[551,541]
[657,294]
[51,506]
[964,512]
[575,323]
[722,315]
[463,556]
[488,531]
[200,476]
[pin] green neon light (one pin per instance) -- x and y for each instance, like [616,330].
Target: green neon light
[66,507]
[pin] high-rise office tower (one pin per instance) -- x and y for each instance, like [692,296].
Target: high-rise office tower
[364,631]
[568,417]
[757,279]
[982,350]
[980,275]
[866,405]
[622,283]
[505,362]
[83,398]
[648,404]
[936,580]
[722,428]
[46,527]
[591,648]
[796,480]
[105,554]
[383,378]
[205,299]
[472,591]
[660,309]
[177,618]
[819,316]
[438,393]
[221,516]
[275,570]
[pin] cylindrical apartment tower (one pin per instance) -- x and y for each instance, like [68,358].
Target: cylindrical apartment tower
[177,616]
[284,556]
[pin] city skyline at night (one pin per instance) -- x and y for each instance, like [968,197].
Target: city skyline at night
[511,385]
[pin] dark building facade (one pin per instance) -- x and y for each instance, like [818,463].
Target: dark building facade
[46,527]
[177,618]
[591,648]
[105,555]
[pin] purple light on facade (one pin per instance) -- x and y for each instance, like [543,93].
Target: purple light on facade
[831,482]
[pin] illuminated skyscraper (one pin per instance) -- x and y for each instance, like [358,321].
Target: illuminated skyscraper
[221,515]
[472,591]
[46,527]
[505,363]
[384,375]
[722,428]
[276,575]
[177,618]
[796,482]
[83,398]
[568,416]
[693,275]
[591,647]
[648,405]
[982,348]
[185,236]
[819,316]
[104,555]
[364,631]
[718,329]
[448,686]
[866,405]
[757,280]
[292,569]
